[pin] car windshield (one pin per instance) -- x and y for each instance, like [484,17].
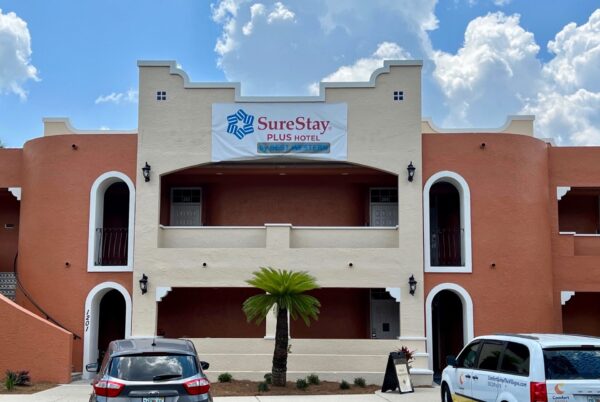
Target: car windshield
[572,363]
[152,367]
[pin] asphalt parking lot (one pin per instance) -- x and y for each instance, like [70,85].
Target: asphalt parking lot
[81,393]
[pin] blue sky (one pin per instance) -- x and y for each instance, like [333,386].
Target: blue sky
[483,59]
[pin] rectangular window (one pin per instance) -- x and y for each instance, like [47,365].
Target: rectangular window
[490,355]
[186,206]
[516,359]
[468,356]
[384,206]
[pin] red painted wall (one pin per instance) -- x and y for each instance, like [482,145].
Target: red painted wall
[344,315]
[508,181]
[207,312]
[10,167]
[9,237]
[580,314]
[56,182]
[302,200]
[34,344]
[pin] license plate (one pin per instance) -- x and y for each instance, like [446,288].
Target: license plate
[154,399]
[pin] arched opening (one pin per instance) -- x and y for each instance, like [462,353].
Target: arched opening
[581,314]
[447,223]
[107,317]
[259,193]
[112,236]
[112,202]
[444,225]
[111,321]
[447,328]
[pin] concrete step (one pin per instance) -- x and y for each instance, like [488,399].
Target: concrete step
[76,376]
[331,359]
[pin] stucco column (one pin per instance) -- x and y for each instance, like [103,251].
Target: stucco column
[278,235]
[145,310]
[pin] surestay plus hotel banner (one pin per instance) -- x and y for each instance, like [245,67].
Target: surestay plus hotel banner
[242,131]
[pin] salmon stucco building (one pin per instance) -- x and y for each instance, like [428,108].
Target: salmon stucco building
[418,236]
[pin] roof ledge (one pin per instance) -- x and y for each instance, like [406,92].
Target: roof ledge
[62,126]
[515,124]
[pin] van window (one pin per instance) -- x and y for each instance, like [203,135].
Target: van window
[468,356]
[490,355]
[516,359]
[572,363]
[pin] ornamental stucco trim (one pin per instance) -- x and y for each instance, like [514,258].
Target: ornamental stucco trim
[174,69]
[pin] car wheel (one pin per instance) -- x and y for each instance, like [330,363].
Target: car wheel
[446,396]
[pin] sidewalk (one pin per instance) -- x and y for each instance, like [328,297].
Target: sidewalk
[81,393]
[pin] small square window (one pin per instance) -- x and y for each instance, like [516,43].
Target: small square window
[398,95]
[386,327]
[161,95]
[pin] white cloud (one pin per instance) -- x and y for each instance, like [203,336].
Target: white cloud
[281,48]
[280,13]
[568,118]
[255,11]
[131,96]
[363,68]
[501,3]
[15,55]
[496,69]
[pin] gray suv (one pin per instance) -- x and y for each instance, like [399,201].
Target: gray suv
[150,370]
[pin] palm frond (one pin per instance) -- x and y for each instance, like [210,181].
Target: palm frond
[257,307]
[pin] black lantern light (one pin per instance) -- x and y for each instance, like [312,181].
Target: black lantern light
[411,171]
[146,171]
[412,284]
[144,284]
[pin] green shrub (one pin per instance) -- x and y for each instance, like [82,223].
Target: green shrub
[360,382]
[23,378]
[313,379]
[263,387]
[10,380]
[269,378]
[301,383]
[225,377]
[344,385]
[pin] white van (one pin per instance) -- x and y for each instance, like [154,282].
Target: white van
[525,368]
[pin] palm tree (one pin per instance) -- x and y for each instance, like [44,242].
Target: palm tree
[284,291]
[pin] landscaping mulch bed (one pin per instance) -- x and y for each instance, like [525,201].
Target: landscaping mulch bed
[250,388]
[27,389]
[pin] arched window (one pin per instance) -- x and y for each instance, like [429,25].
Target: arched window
[112,203]
[447,223]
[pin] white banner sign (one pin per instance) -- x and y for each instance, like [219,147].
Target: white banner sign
[242,131]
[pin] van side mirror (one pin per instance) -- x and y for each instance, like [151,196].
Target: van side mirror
[204,365]
[451,361]
[92,367]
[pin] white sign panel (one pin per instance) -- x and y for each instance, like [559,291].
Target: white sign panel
[242,131]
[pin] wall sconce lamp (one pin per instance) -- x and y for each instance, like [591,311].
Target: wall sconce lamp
[412,284]
[146,172]
[144,284]
[411,171]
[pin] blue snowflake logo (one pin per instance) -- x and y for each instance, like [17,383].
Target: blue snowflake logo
[240,124]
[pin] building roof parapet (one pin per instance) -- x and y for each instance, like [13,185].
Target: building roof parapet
[515,124]
[175,69]
[62,126]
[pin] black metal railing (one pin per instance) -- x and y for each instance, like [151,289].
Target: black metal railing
[111,246]
[446,247]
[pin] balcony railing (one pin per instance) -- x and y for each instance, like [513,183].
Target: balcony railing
[111,246]
[446,246]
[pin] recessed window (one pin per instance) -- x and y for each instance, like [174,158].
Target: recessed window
[398,95]
[9,226]
[161,95]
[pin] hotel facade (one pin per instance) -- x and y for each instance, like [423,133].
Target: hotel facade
[417,236]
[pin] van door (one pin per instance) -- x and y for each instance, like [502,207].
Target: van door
[514,367]
[486,379]
[462,381]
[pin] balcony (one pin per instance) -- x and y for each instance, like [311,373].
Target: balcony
[446,247]
[111,246]
[278,235]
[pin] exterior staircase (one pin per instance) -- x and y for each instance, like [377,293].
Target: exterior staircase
[8,284]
